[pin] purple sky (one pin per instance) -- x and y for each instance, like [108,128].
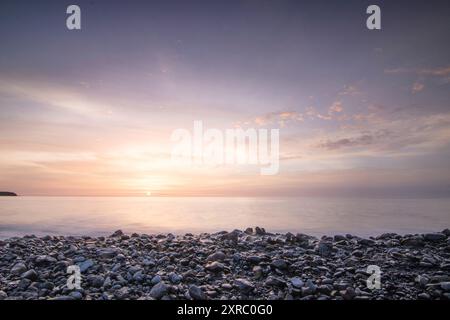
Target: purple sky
[90,112]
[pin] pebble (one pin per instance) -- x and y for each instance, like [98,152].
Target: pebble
[18,268]
[159,290]
[196,293]
[244,285]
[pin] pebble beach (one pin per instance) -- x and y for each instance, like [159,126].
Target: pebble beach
[238,265]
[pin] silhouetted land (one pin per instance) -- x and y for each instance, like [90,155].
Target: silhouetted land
[7,194]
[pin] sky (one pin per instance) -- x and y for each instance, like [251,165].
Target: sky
[91,112]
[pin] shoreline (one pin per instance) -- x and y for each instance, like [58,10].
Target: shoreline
[238,265]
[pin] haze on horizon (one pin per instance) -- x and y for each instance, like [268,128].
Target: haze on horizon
[91,112]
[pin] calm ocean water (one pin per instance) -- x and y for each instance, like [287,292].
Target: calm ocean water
[315,216]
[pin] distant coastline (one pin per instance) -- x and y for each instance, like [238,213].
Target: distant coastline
[7,194]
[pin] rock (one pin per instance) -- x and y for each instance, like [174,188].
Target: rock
[274,282]
[366,242]
[422,280]
[348,294]
[196,293]
[424,296]
[254,259]
[107,253]
[3,295]
[76,295]
[257,271]
[156,279]
[437,236]
[244,285]
[260,231]
[215,267]
[279,264]
[30,274]
[96,281]
[445,286]
[118,233]
[159,290]
[138,276]
[297,282]
[63,298]
[85,265]
[231,236]
[338,238]
[175,278]
[44,260]
[18,268]
[123,293]
[216,256]
[324,248]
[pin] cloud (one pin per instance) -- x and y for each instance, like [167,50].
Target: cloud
[53,95]
[417,87]
[273,118]
[437,72]
[336,107]
[350,90]
[362,140]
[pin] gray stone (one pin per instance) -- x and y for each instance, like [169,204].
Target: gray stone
[279,264]
[297,282]
[159,290]
[216,256]
[30,274]
[445,286]
[215,266]
[44,260]
[244,285]
[85,265]
[156,279]
[437,236]
[18,268]
[196,293]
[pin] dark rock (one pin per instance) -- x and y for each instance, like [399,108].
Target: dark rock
[18,268]
[215,266]
[196,293]
[159,290]
[30,274]
[437,236]
[244,285]
[279,264]
[216,256]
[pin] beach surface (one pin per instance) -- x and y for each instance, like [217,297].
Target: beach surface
[250,264]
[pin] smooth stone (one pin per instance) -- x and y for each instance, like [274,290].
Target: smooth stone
[216,256]
[445,286]
[44,260]
[175,278]
[159,290]
[297,282]
[244,285]
[85,265]
[196,293]
[30,274]
[156,279]
[215,266]
[279,264]
[18,268]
